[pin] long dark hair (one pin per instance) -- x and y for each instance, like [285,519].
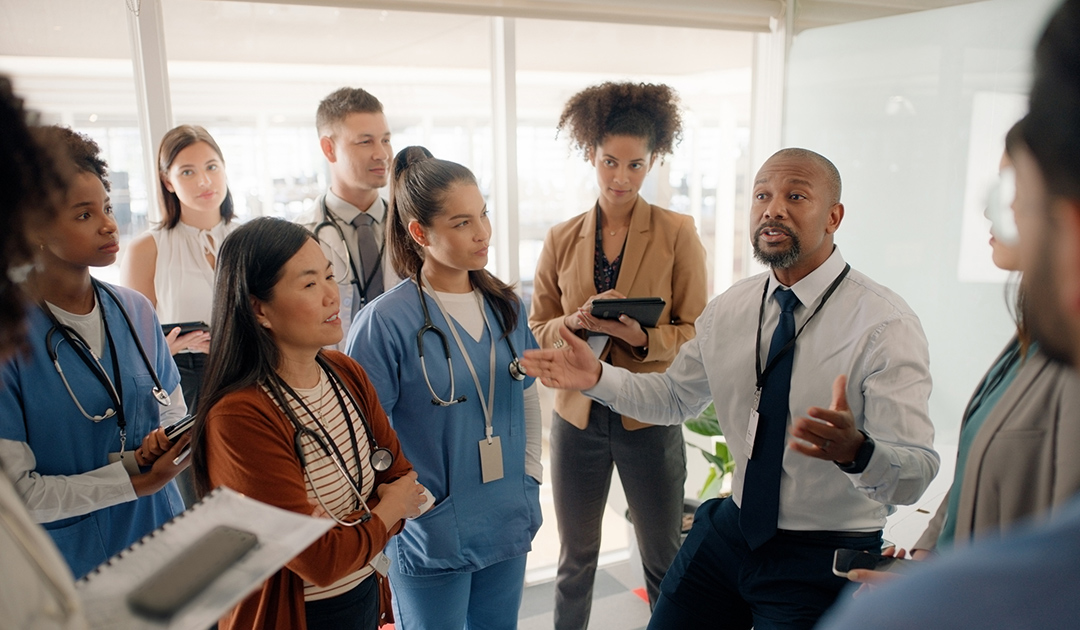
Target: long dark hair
[419,187]
[176,140]
[249,265]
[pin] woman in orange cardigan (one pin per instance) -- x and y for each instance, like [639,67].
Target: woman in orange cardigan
[295,426]
[622,247]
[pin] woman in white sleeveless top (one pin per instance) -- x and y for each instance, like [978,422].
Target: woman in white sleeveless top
[173,263]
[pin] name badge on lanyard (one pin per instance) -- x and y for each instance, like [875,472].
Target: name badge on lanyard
[751,426]
[491,459]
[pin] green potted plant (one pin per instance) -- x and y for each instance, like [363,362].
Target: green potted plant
[721,464]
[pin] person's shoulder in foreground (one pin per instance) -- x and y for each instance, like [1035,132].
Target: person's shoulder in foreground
[1026,580]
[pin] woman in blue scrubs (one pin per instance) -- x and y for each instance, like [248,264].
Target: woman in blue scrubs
[97,474]
[467,417]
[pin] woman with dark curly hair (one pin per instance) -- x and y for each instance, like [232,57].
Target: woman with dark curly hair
[81,409]
[621,247]
[37,589]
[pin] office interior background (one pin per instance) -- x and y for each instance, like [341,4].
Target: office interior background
[909,98]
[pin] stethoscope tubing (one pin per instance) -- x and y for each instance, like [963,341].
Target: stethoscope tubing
[514,367]
[327,221]
[380,458]
[83,351]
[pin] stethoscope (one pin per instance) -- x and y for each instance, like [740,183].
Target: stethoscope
[115,389]
[514,368]
[380,459]
[328,221]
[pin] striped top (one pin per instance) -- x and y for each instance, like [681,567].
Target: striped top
[337,497]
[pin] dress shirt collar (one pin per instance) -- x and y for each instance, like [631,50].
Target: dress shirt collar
[347,212]
[810,289]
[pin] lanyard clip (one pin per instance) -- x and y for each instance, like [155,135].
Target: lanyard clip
[490,433]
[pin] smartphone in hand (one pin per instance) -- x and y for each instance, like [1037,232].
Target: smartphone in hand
[185,327]
[844,560]
[180,427]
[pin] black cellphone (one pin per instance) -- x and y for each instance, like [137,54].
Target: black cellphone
[646,310]
[845,560]
[172,586]
[185,327]
[180,427]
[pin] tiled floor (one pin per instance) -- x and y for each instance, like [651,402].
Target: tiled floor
[615,605]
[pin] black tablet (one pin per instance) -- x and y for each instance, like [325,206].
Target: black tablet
[646,310]
[185,327]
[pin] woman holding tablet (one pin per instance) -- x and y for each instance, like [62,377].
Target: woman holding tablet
[173,263]
[298,427]
[450,334]
[621,247]
[81,409]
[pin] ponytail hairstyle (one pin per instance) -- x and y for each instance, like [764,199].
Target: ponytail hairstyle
[176,140]
[419,186]
[639,110]
[249,265]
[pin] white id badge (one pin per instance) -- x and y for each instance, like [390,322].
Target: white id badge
[130,465]
[380,563]
[751,424]
[491,463]
[751,432]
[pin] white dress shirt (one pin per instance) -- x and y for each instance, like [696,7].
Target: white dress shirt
[342,213]
[864,331]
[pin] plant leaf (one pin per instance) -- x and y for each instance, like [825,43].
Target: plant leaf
[706,423]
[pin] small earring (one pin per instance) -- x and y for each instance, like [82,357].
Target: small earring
[266,324]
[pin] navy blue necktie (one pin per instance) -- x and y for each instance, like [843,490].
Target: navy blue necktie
[761,485]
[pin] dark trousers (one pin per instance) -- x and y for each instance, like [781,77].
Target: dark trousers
[716,581]
[652,467]
[191,366]
[358,609]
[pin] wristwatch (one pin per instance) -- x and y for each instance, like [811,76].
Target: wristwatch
[862,456]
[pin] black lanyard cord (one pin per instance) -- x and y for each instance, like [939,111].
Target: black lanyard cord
[762,376]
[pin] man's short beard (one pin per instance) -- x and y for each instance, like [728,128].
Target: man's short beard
[777,260]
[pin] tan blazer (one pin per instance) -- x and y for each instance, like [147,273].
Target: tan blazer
[663,258]
[1023,460]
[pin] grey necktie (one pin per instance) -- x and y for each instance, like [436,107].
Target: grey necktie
[371,280]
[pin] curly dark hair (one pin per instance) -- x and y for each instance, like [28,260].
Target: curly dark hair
[80,150]
[33,182]
[639,110]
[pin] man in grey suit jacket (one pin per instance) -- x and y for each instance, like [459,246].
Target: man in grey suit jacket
[350,218]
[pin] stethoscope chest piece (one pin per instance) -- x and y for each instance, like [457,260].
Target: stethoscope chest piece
[516,372]
[381,459]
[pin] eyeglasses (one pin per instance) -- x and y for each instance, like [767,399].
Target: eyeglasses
[999,201]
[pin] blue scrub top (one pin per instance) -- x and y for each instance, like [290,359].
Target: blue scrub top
[35,408]
[473,525]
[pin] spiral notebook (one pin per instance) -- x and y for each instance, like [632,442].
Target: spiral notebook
[281,536]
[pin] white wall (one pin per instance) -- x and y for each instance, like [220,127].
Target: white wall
[893,102]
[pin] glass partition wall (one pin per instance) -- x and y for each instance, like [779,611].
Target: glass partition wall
[253,74]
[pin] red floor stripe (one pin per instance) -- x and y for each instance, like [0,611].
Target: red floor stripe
[640,592]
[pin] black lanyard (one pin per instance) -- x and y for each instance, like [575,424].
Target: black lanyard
[763,375]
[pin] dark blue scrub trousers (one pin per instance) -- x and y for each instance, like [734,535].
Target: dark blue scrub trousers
[716,581]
